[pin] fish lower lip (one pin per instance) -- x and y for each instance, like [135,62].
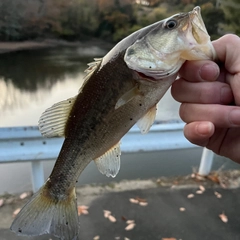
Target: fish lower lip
[145,77]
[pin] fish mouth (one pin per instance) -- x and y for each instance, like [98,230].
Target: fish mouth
[199,30]
[198,37]
[156,75]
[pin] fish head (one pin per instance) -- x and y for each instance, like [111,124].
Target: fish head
[168,44]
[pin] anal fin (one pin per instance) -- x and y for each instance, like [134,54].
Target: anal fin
[109,163]
[147,120]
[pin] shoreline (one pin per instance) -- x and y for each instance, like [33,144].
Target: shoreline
[6,47]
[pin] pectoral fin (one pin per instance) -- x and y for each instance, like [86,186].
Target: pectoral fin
[52,122]
[128,96]
[147,120]
[109,163]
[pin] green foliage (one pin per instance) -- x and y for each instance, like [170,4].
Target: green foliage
[231,9]
[110,20]
[212,17]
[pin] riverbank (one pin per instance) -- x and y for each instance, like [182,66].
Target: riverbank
[6,47]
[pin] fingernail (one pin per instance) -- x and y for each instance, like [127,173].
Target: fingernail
[234,117]
[209,71]
[204,128]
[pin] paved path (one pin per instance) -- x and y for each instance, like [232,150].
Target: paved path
[160,219]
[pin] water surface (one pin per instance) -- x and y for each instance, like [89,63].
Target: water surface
[31,81]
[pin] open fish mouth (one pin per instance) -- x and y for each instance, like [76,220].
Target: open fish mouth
[199,30]
[200,46]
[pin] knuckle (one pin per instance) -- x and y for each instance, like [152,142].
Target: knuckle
[231,38]
[182,111]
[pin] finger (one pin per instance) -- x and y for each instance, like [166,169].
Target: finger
[228,52]
[202,92]
[234,81]
[199,133]
[198,71]
[220,115]
[222,141]
[229,146]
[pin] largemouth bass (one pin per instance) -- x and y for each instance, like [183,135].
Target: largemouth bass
[121,89]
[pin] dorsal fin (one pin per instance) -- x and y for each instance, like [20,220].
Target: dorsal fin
[109,163]
[52,122]
[92,66]
[147,120]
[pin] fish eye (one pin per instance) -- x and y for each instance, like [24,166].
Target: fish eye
[171,24]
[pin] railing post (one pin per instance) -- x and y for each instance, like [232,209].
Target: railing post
[206,162]
[37,175]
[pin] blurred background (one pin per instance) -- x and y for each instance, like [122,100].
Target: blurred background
[60,37]
[110,20]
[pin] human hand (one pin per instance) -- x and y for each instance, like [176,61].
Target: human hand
[210,97]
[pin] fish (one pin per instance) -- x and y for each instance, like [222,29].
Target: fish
[119,90]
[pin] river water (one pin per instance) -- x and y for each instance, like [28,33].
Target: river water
[31,81]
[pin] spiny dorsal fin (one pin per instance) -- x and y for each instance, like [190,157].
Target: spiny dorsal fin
[128,96]
[92,66]
[147,120]
[109,163]
[52,122]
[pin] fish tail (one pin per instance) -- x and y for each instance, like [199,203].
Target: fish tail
[45,215]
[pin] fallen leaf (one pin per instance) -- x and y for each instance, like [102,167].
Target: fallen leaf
[140,199]
[199,192]
[223,217]
[1,202]
[182,209]
[82,210]
[112,218]
[202,188]
[218,195]
[213,178]
[23,195]
[96,237]
[130,221]
[190,195]
[126,238]
[130,226]
[143,204]
[169,239]
[106,213]
[15,213]
[199,177]
[133,200]
[193,175]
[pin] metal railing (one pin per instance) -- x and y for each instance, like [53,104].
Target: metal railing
[25,144]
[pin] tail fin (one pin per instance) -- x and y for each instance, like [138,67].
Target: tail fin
[42,215]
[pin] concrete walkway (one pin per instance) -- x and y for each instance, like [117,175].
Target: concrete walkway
[177,208]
